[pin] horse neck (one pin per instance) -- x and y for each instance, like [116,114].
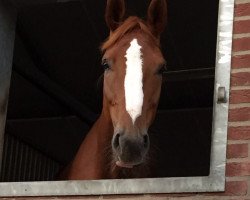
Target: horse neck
[92,159]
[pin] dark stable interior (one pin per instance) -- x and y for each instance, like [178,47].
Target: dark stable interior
[56,89]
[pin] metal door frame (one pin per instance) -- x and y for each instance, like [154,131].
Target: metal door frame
[215,182]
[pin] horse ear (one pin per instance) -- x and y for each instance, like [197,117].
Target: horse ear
[115,11]
[157,16]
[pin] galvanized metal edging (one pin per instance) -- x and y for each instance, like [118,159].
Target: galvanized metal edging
[215,182]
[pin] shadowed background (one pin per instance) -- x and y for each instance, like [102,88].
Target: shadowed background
[56,90]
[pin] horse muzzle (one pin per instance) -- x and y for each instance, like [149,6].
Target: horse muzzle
[130,150]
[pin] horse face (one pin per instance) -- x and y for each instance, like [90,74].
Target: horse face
[132,85]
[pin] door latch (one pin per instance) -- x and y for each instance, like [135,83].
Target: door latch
[221,95]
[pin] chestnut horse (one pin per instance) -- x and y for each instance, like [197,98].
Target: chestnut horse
[117,146]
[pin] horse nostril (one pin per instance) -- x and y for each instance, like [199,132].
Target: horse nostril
[145,140]
[116,142]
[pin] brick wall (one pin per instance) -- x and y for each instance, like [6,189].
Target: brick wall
[238,152]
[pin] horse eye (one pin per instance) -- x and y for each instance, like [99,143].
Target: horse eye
[105,64]
[162,69]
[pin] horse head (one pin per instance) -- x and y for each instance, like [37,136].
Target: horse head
[133,65]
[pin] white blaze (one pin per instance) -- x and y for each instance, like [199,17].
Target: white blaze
[133,80]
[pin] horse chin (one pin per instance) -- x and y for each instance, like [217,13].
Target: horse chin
[128,165]
[126,170]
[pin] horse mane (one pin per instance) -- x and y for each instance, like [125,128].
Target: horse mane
[128,26]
